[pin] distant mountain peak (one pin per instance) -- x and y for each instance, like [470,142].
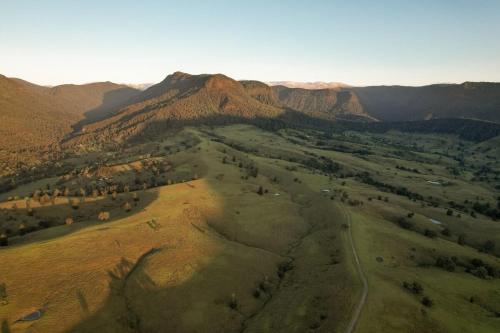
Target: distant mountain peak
[309,85]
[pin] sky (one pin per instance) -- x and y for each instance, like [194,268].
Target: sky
[372,42]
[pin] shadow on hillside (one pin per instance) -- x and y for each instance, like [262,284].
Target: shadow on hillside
[468,129]
[137,304]
[52,217]
[112,101]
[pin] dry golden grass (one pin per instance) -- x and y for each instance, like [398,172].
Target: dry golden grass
[53,273]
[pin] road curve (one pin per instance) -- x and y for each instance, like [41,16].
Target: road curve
[362,301]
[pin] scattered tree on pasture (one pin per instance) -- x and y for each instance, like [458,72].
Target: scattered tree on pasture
[103,216]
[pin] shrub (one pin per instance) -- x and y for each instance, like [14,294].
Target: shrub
[446,232]
[480,272]
[403,223]
[233,303]
[415,287]
[283,268]
[445,263]
[430,233]
[426,301]
[488,246]
[44,224]
[260,191]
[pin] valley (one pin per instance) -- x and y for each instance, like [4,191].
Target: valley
[240,229]
[250,166]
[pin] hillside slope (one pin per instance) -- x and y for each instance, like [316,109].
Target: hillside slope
[34,116]
[475,100]
[329,103]
[182,99]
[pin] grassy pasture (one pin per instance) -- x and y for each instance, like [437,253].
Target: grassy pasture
[214,255]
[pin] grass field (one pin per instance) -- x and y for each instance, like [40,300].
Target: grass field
[243,230]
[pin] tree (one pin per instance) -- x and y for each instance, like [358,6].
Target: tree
[488,246]
[135,197]
[449,212]
[403,223]
[446,232]
[103,216]
[260,191]
[426,301]
[415,287]
[127,207]
[22,229]
[74,203]
[69,221]
[4,240]
[430,233]
[461,239]
[233,303]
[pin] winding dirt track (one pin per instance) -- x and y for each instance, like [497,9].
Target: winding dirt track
[362,301]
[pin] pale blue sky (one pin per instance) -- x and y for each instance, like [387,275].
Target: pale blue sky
[358,42]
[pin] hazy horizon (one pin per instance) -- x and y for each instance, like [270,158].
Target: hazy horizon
[383,43]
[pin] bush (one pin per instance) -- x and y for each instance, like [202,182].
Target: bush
[403,223]
[461,239]
[44,224]
[430,233]
[233,303]
[480,272]
[445,263]
[446,232]
[488,246]
[426,301]
[283,268]
[260,191]
[415,287]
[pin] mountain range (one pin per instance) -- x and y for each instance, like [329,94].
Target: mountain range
[309,85]
[33,115]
